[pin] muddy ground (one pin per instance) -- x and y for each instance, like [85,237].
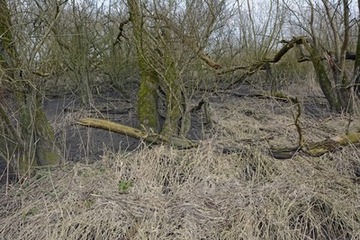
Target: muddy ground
[79,143]
[87,144]
[160,192]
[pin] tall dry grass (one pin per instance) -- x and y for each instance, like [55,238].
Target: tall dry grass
[164,193]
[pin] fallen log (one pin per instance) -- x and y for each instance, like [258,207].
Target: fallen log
[180,143]
[317,149]
[284,153]
[332,144]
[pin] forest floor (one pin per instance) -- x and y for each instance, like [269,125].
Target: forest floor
[115,187]
[89,144]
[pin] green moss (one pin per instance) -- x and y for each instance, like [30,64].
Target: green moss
[88,203]
[147,101]
[30,212]
[279,95]
[147,95]
[322,77]
[174,96]
[7,56]
[47,153]
[25,166]
[352,138]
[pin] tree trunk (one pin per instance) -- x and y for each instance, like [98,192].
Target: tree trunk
[322,76]
[6,44]
[34,143]
[357,66]
[357,60]
[149,83]
[172,84]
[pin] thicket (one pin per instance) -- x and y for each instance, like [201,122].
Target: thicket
[164,56]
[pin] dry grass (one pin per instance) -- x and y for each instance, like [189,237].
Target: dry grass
[163,193]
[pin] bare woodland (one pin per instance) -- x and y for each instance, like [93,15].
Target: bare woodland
[178,66]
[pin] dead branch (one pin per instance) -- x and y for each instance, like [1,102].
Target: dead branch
[288,45]
[191,43]
[297,122]
[260,65]
[318,148]
[278,97]
[180,143]
[332,144]
[313,149]
[121,31]
[284,153]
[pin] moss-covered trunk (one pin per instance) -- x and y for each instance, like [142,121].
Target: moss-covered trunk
[149,83]
[174,104]
[325,82]
[172,84]
[357,60]
[147,99]
[322,76]
[158,66]
[34,143]
[343,91]
[37,128]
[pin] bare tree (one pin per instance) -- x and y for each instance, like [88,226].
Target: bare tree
[164,36]
[33,142]
[357,58]
[327,25]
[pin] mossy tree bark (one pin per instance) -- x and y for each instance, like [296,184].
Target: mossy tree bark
[6,40]
[336,88]
[177,142]
[34,143]
[159,70]
[149,83]
[357,60]
[322,76]
[337,56]
[175,100]
[357,65]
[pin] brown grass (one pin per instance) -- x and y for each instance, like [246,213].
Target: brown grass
[164,193]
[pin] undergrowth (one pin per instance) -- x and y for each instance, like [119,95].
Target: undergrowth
[162,193]
[192,194]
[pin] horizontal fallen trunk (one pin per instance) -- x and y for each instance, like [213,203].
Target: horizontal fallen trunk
[318,148]
[180,143]
[332,144]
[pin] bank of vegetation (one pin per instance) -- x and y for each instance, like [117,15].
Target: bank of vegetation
[271,90]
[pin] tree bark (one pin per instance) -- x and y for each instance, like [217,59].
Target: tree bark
[322,77]
[149,83]
[34,143]
[172,84]
[357,60]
